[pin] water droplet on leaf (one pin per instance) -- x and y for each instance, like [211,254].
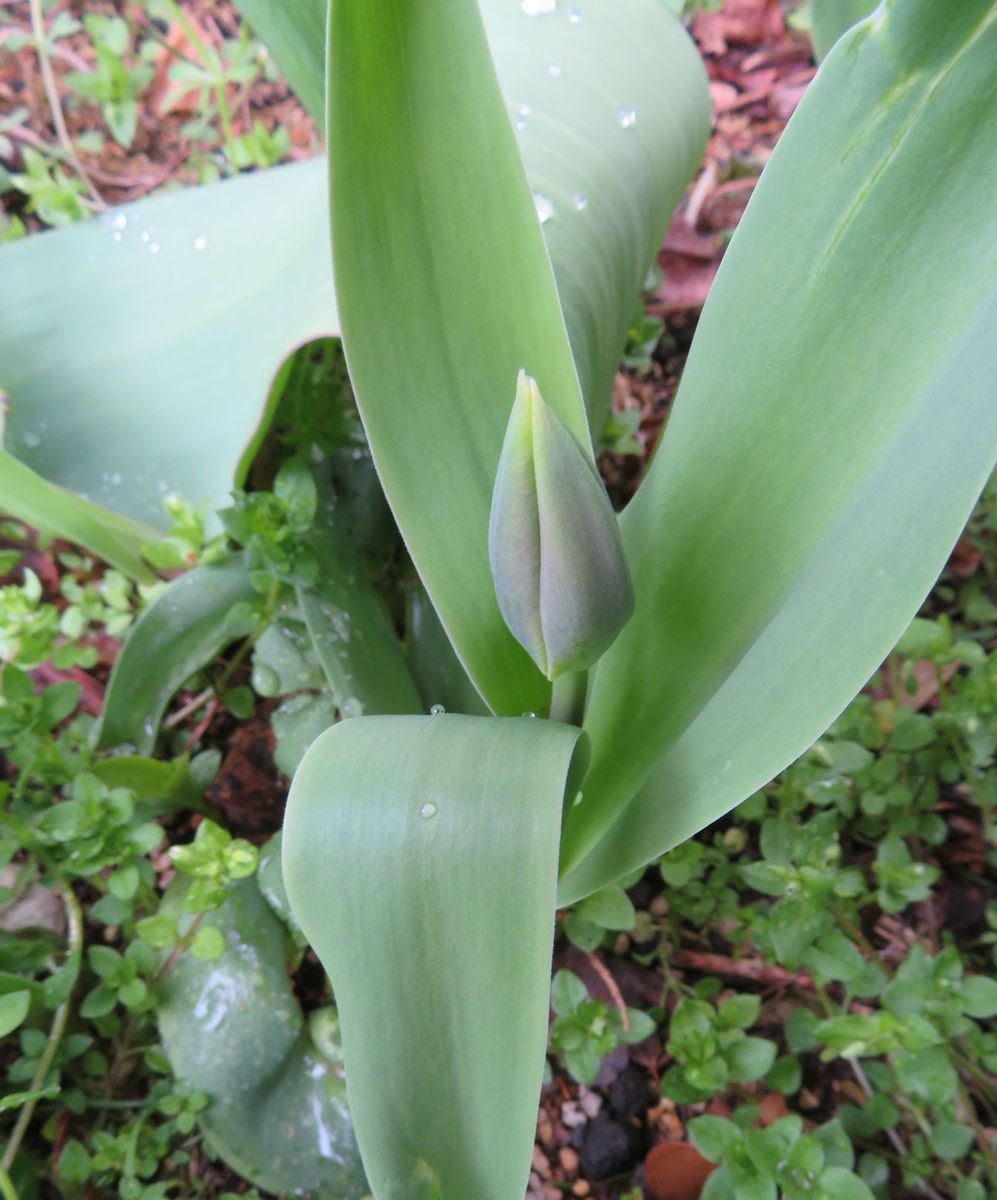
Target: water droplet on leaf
[437,710]
[427,810]
[544,206]
[627,117]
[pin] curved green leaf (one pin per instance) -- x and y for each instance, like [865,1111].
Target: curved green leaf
[116,539]
[138,349]
[354,638]
[572,79]
[233,1029]
[426,848]
[610,105]
[295,36]
[801,505]
[829,19]
[94,322]
[440,678]
[181,631]
[438,237]
[439,241]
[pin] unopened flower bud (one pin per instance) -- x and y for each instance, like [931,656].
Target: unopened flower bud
[561,578]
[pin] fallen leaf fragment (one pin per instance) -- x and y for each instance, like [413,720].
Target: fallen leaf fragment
[675,1171]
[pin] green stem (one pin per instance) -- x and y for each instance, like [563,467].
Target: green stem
[217,687]
[6,1186]
[208,61]
[74,948]
[567,702]
[182,945]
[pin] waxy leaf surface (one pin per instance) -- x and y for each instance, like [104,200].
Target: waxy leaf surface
[179,633]
[233,1029]
[438,240]
[354,639]
[138,349]
[116,539]
[420,858]
[833,429]
[139,355]
[829,19]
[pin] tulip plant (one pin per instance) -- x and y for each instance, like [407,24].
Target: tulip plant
[498,181]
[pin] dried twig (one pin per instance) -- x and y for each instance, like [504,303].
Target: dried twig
[749,969]
[54,104]
[614,991]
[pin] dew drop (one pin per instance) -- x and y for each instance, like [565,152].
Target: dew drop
[153,247]
[554,70]
[31,439]
[146,236]
[119,221]
[530,716]
[428,810]
[116,236]
[200,242]
[525,110]
[437,710]
[520,126]
[627,117]
[579,202]
[538,8]
[574,15]
[544,206]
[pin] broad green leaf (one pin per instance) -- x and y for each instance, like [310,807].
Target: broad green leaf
[233,1029]
[353,636]
[438,240]
[611,110]
[116,539]
[436,669]
[181,631]
[295,36]
[572,78]
[425,848]
[138,349]
[802,505]
[239,277]
[829,19]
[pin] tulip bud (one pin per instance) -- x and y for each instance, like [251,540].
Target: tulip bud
[557,560]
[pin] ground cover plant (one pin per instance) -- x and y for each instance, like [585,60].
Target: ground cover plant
[421,849]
